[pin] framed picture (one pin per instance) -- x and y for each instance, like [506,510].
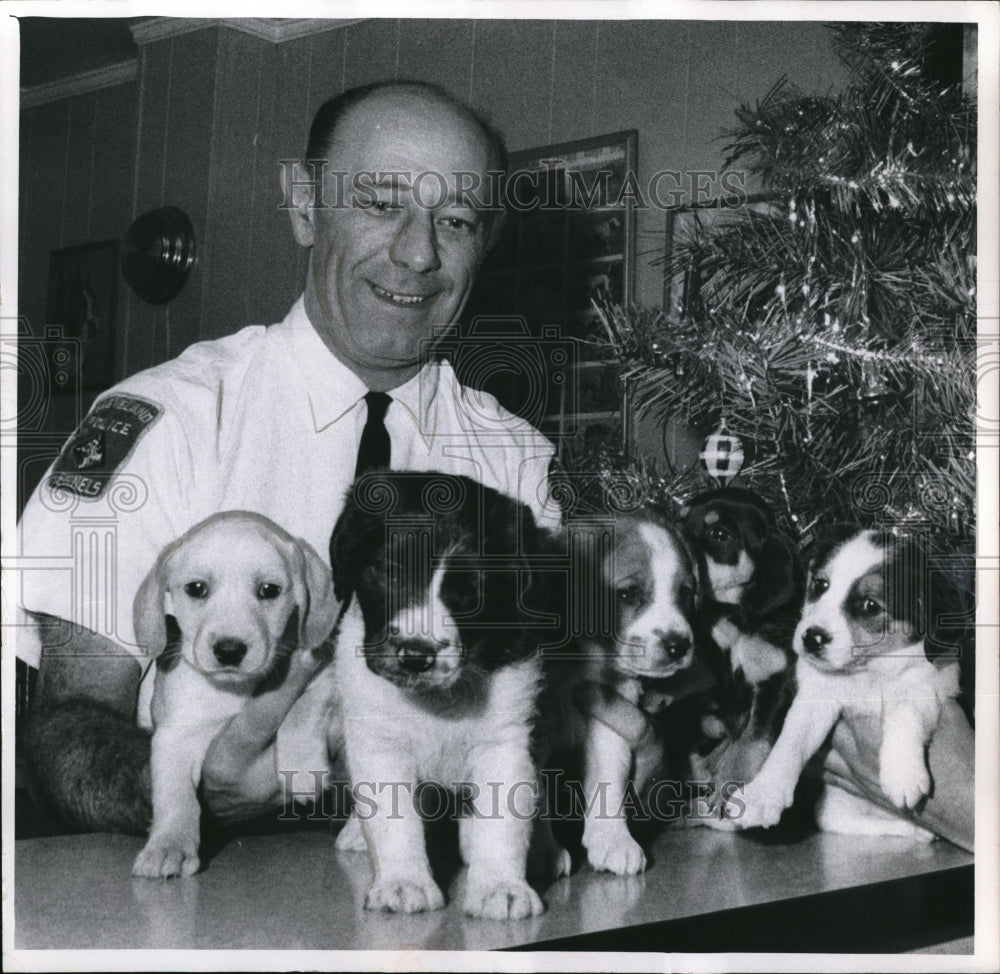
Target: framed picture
[569,238]
[80,315]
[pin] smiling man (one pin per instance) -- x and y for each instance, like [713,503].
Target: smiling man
[394,258]
[268,420]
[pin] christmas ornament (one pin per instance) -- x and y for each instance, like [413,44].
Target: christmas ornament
[873,389]
[722,455]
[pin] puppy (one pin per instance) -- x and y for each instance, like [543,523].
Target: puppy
[642,579]
[224,609]
[438,669]
[870,622]
[754,587]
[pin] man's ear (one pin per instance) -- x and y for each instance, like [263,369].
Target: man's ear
[301,190]
[498,219]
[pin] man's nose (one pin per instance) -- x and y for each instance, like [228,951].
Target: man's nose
[415,244]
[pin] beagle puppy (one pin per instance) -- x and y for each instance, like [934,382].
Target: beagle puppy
[224,610]
[754,587]
[640,589]
[874,648]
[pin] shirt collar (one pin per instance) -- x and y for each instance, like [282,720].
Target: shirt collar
[334,390]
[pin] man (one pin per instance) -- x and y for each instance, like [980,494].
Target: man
[268,420]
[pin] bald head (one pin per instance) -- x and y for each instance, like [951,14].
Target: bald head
[404,94]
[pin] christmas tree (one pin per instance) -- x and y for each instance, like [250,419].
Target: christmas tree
[832,330]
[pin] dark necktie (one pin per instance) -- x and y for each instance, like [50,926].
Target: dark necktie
[374,450]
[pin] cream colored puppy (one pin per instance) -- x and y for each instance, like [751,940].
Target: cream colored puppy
[227,610]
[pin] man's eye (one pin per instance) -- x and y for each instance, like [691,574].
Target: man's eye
[196,590]
[382,207]
[268,591]
[458,224]
[817,587]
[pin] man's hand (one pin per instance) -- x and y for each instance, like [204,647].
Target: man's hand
[853,763]
[239,776]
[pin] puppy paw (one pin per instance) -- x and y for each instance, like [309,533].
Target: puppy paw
[165,856]
[351,838]
[763,802]
[725,634]
[512,899]
[618,854]
[905,782]
[404,896]
[558,863]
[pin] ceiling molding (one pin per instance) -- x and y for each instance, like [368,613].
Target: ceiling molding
[277,31]
[79,84]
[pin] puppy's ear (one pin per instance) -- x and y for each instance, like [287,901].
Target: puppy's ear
[950,610]
[318,607]
[685,539]
[778,578]
[149,609]
[348,533]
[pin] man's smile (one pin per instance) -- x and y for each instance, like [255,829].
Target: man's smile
[395,298]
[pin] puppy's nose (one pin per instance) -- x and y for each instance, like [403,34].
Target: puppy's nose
[815,640]
[675,645]
[415,655]
[229,652]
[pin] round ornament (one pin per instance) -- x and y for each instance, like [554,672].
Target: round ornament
[722,455]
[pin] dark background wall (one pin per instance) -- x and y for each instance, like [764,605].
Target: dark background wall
[213,109]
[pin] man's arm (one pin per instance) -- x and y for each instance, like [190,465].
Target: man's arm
[88,758]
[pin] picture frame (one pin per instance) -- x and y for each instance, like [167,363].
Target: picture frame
[680,291]
[81,312]
[569,237]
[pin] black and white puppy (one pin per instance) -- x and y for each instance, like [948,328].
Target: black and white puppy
[754,586]
[872,618]
[438,672]
[639,586]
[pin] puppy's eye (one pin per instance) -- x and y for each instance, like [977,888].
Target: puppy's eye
[629,594]
[196,590]
[268,591]
[817,587]
[718,534]
[687,597]
[870,607]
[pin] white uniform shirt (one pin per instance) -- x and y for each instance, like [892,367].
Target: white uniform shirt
[266,420]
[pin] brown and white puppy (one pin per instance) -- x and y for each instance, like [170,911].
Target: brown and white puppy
[870,623]
[633,659]
[224,610]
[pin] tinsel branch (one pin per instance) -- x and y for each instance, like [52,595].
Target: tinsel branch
[834,330]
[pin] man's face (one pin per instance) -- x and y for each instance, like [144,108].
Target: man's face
[390,269]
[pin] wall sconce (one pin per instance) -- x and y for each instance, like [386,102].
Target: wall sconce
[158,254]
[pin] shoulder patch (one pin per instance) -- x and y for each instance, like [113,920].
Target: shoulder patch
[101,444]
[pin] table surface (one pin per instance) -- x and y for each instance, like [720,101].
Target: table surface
[296,891]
